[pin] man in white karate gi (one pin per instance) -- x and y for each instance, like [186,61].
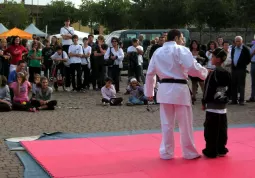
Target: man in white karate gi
[172,63]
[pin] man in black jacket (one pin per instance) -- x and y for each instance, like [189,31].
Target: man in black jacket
[158,45]
[241,57]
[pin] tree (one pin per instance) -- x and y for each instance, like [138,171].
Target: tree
[161,13]
[56,13]
[214,13]
[113,14]
[14,14]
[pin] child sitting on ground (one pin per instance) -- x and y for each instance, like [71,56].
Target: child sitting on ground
[5,97]
[215,99]
[43,97]
[136,92]
[109,94]
[36,85]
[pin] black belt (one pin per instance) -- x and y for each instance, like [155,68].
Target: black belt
[170,80]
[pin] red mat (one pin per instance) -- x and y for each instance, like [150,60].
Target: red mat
[137,156]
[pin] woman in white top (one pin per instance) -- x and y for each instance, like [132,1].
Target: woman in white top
[116,55]
[228,61]
[212,45]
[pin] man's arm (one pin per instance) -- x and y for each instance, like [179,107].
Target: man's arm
[190,64]
[150,78]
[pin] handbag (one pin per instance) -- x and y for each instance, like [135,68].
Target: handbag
[109,61]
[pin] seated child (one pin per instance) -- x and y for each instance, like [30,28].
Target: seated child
[5,98]
[21,89]
[109,94]
[43,97]
[36,85]
[136,92]
[215,99]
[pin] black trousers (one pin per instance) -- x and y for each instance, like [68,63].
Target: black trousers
[76,67]
[32,72]
[47,68]
[135,72]
[21,107]
[116,77]
[238,84]
[67,73]
[215,134]
[51,104]
[113,101]
[4,107]
[86,76]
[98,74]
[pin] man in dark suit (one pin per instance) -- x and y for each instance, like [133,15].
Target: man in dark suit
[156,46]
[241,57]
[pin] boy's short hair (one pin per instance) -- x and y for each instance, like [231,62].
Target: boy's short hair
[220,53]
[134,40]
[85,39]
[4,81]
[37,76]
[74,37]
[108,79]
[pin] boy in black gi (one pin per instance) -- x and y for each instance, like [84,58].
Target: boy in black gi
[215,98]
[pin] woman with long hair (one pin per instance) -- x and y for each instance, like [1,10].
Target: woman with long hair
[211,46]
[201,58]
[16,51]
[4,59]
[35,57]
[116,54]
[54,42]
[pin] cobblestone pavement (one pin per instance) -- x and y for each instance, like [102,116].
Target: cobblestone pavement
[89,117]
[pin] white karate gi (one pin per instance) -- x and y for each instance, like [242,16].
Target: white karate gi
[175,62]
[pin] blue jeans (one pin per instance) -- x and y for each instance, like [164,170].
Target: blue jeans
[253,80]
[137,101]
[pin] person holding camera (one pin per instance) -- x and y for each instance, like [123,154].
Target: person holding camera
[215,98]
[114,57]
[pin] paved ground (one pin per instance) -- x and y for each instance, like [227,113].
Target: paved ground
[90,117]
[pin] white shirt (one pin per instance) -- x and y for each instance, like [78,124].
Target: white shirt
[175,62]
[108,93]
[119,54]
[209,56]
[86,51]
[133,49]
[63,55]
[75,49]
[65,31]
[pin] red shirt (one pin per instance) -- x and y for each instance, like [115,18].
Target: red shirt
[16,52]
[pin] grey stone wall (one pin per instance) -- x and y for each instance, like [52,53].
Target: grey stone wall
[228,34]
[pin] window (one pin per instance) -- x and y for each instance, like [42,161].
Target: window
[130,36]
[150,36]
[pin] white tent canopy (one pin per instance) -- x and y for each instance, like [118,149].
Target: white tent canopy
[3,28]
[34,30]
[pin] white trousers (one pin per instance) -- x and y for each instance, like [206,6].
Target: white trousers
[184,115]
[12,67]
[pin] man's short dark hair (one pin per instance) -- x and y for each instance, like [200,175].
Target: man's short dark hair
[161,37]
[21,62]
[58,47]
[172,34]
[91,36]
[46,41]
[134,40]
[67,19]
[220,53]
[85,39]
[225,42]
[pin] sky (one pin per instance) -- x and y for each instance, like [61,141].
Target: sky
[44,2]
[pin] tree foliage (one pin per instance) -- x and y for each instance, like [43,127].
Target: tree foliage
[14,14]
[55,14]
